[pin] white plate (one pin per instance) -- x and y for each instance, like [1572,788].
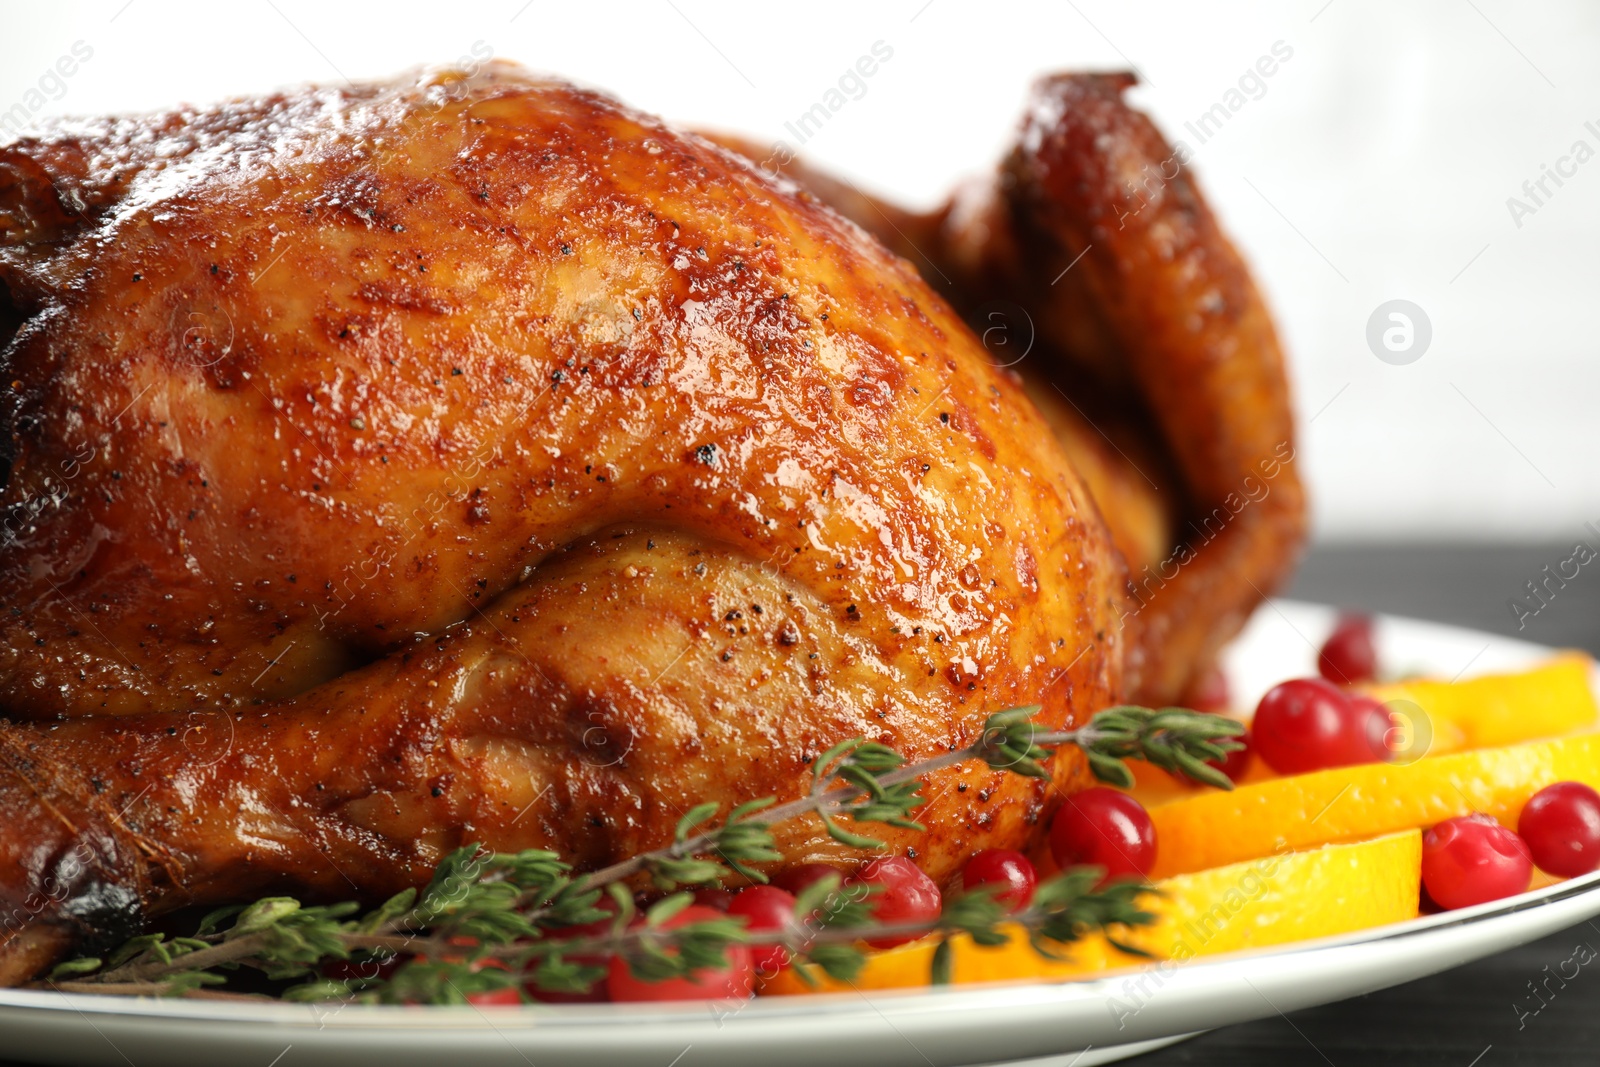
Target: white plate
[1110,1017]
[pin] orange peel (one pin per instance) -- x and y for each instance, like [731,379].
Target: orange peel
[1549,700]
[1270,901]
[1214,828]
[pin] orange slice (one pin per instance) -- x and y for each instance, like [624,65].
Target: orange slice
[1549,700]
[1213,828]
[1271,901]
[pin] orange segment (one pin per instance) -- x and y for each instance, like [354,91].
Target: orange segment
[1549,700]
[1270,901]
[1213,828]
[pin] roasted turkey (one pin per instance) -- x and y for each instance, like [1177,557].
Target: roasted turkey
[473,458]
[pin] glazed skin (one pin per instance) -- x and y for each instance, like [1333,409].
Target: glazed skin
[311,399]
[476,459]
[1149,350]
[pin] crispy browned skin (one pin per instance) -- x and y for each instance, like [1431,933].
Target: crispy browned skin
[1155,358]
[1116,461]
[482,460]
[1160,306]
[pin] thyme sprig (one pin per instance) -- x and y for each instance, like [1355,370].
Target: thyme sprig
[488,921]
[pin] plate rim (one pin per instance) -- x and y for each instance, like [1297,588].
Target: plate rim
[559,1016]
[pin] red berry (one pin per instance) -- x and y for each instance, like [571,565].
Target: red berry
[802,876]
[487,997]
[1009,871]
[765,907]
[1349,655]
[1561,824]
[724,983]
[1209,692]
[713,898]
[1237,762]
[906,896]
[1473,859]
[1105,828]
[1383,735]
[1309,724]
[599,993]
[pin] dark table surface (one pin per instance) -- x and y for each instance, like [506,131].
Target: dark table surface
[1467,1017]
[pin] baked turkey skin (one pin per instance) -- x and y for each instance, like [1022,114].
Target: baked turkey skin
[477,459]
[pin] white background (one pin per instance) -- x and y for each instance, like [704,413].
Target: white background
[1376,165]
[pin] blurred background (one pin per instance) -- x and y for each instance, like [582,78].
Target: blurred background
[1377,162]
[1437,153]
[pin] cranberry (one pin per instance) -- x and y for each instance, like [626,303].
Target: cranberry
[1009,871]
[1105,828]
[802,876]
[733,981]
[495,997]
[598,993]
[1349,655]
[1237,762]
[1473,859]
[487,997]
[1561,824]
[1209,692]
[906,896]
[765,907]
[1309,724]
[718,899]
[1383,735]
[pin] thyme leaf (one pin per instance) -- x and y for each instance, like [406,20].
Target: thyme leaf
[487,922]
